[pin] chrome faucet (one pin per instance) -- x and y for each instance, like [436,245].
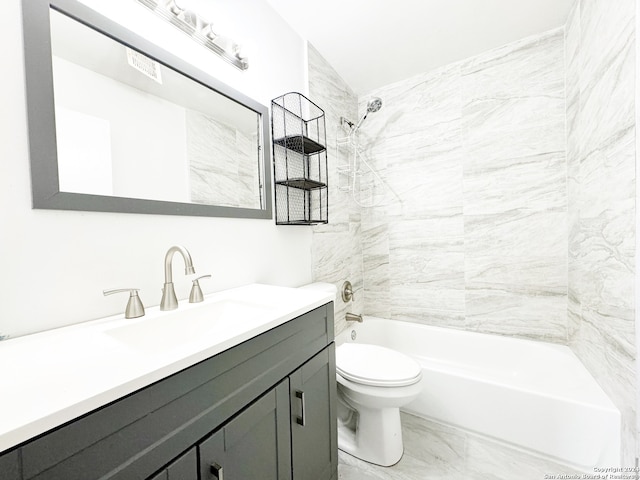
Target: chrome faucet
[169,300]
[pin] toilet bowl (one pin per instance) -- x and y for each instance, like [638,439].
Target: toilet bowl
[373,383]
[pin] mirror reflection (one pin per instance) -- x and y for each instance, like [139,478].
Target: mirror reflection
[129,126]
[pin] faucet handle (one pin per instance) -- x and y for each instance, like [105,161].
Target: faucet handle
[134,308]
[196,295]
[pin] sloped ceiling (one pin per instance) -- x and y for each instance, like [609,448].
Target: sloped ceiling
[376,42]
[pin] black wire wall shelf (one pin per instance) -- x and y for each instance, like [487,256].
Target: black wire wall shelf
[300,144]
[299,160]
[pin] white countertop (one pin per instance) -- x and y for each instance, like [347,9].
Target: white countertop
[52,377]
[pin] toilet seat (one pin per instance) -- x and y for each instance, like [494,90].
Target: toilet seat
[376,366]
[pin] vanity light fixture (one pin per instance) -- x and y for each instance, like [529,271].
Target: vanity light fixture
[202,32]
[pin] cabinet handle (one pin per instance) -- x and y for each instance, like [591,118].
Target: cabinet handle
[216,469]
[301,420]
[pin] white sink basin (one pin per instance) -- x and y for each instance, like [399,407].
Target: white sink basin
[207,322]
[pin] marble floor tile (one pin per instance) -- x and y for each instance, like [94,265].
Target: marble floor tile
[486,460]
[440,457]
[408,468]
[348,472]
[436,451]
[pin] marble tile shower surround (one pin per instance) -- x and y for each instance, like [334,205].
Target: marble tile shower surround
[336,246]
[476,151]
[517,173]
[234,174]
[601,183]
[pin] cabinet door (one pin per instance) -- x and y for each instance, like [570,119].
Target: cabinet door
[184,468]
[313,418]
[254,445]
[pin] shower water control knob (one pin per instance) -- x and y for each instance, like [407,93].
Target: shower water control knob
[347,291]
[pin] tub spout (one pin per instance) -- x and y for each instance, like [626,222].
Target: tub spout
[352,317]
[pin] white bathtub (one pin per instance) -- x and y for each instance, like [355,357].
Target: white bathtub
[534,395]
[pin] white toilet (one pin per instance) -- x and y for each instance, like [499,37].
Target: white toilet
[373,383]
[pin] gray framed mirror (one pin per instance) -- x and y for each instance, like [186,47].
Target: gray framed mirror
[117,124]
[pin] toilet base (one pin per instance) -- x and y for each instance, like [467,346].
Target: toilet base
[372,435]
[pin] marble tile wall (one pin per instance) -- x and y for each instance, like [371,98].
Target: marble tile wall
[336,246]
[600,76]
[476,153]
[234,174]
[514,189]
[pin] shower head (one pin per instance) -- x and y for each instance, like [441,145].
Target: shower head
[373,106]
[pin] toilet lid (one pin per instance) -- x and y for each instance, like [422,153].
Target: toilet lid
[377,366]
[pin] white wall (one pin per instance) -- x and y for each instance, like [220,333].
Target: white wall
[277,55]
[145,127]
[55,264]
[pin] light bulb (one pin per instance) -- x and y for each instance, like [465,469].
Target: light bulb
[174,7]
[242,52]
[190,18]
[208,32]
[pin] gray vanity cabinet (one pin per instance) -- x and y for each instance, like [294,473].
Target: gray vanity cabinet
[264,409]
